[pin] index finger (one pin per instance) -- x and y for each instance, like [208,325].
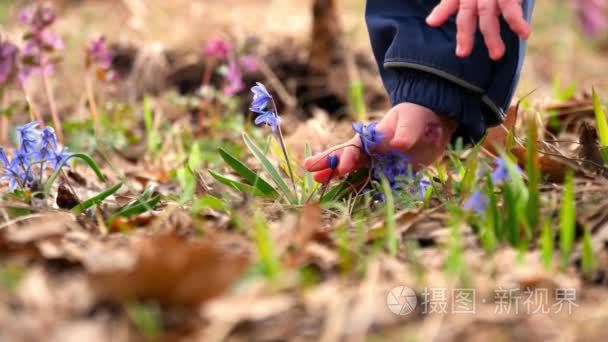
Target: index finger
[513,13]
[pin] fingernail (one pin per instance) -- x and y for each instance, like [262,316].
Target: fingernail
[459,50]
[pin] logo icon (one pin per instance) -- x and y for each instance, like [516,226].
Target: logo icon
[401,300]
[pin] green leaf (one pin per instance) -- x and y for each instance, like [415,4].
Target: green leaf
[389,219]
[208,202]
[307,181]
[237,185]
[195,159]
[187,181]
[82,156]
[271,169]
[84,205]
[265,248]
[533,171]
[248,174]
[600,118]
[146,202]
[588,262]
[346,185]
[546,245]
[567,220]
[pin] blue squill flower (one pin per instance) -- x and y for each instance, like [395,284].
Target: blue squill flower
[59,157]
[368,134]
[29,137]
[478,202]
[423,186]
[394,166]
[4,159]
[261,97]
[269,118]
[333,161]
[501,172]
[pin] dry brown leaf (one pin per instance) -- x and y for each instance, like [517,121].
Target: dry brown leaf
[308,226]
[497,136]
[590,149]
[174,271]
[552,168]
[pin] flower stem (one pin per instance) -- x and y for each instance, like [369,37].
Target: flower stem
[284,149]
[51,99]
[92,102]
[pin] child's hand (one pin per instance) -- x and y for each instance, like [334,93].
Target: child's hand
[409,128]
[488,12]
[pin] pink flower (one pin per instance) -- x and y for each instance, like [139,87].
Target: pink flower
[234,79]
[592,16]
[249,63]
[217,48]
[8,61]
[98,53]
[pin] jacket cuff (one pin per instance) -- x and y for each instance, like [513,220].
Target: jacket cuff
[445,98]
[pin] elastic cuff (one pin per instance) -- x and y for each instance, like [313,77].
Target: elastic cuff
[444,98]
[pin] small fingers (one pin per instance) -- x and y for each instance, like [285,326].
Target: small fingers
[467,25]
[442,12]
[489,25]
[513,13]
[319,162]
[324,176]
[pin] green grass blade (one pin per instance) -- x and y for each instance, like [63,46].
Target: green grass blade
[547,246]
[84,205]
[265,247]
[567,220]
[533,171]
[271,169]
[588,261]
[600,118]
[140,206]
[389,220]
[346,185]
[82,156]
[237,185]
[307,181]
[248,174]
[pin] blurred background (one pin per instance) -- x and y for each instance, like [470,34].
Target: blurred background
[568,45]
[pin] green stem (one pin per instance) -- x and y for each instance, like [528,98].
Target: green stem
[284,149]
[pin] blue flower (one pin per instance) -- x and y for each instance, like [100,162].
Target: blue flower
[423,186]
[501,172]
[269,118]
[59,157]
[48,138]
[478,202]
[394,166]
[29,137]
[21,161]
[368,134]
[261,98]
[4,159]
[333,161]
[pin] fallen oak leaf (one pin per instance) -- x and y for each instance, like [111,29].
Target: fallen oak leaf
[497,136]
[174,271]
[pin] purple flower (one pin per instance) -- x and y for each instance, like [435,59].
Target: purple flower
[269,118]
[249,63]
[59,157]
[501,172]
[98,53]
[29,137]
[394,166]
[592,16]
[8,61]
[368,134]
[333,161]
[40,41]
[423,187]
[4,159]
[478,202]
[217,48]
[261,97]
[234,77]
[48,145]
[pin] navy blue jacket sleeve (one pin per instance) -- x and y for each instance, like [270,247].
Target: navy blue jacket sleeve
[418,64]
